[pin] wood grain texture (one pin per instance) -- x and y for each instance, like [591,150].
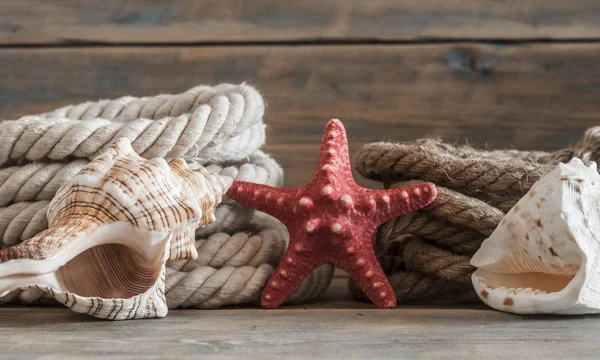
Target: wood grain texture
[333,327]
[185,21]
[403,333]
[530,97]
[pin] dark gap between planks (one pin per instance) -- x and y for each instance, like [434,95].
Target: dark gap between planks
[73,43]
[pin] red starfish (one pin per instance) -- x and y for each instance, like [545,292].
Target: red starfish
[331,220]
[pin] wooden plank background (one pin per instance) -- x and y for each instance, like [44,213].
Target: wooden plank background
[186,21]
[528,96]
[498,74]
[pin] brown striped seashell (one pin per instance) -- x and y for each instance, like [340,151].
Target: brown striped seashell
[111,230]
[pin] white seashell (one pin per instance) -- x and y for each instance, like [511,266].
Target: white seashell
[111,230]
[549,245]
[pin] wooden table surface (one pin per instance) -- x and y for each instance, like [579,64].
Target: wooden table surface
[495,73]
[356,331]
[332,328]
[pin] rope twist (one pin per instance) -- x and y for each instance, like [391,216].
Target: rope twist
[426,254]
[219,127]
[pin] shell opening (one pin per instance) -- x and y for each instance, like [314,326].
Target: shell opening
[108,271]
[116,260]
[534,282]
[528,286]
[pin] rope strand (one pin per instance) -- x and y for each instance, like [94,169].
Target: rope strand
[220,127]
[426,254]
[422,160]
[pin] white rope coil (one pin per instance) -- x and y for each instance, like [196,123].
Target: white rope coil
[21,221]
[220,127]
[36,181]
[220,123]
[247,105]
[232,269]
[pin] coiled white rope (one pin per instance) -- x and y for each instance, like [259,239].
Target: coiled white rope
[220,127]
[217,124]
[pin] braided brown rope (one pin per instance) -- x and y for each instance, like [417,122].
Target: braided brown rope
[426,254]
[412,287]
[455,168]
[427,226]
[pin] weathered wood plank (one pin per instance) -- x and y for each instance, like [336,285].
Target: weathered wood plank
[403,333]
[530,97]
[177,21]
[333,327]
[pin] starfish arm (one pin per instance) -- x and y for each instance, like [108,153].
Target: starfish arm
[369,275]
[331,220]
[334,150]
[296,264]
[397,202]
[263,198]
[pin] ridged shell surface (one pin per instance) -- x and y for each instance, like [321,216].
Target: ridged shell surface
[111,230]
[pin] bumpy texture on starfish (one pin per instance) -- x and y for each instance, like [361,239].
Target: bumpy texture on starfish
[331,220]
